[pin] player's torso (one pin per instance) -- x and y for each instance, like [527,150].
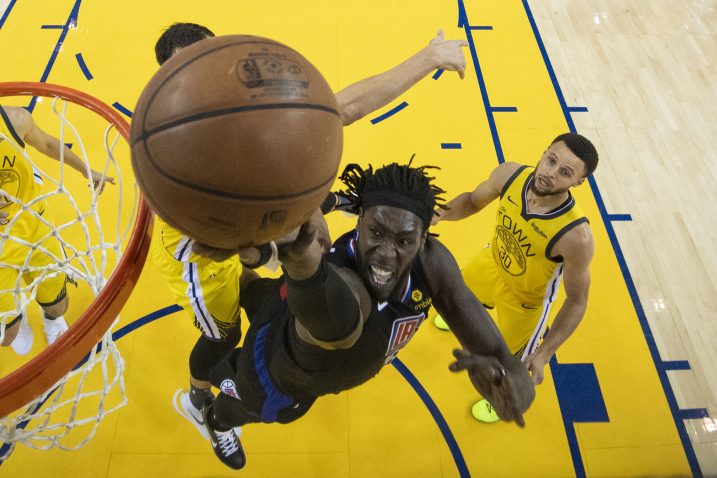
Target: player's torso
[17,177]
[522,243]
[389,327]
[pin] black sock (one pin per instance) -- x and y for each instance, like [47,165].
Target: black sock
[200,396]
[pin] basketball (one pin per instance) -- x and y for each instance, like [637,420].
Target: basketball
[236,140]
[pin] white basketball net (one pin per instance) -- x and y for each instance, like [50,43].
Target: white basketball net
[92,230]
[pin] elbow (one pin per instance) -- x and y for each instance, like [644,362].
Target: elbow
[349,114]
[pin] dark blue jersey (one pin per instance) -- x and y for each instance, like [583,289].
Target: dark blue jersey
[389,327]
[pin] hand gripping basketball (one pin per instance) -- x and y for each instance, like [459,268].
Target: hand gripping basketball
[236,141]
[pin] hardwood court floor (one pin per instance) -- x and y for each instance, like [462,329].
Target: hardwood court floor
[633,75]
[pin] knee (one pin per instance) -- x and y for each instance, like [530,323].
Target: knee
[11,330]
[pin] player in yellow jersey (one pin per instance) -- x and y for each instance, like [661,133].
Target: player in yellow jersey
[541,235]
[19,186]
[209,289]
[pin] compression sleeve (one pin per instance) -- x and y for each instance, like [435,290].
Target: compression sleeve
[324,304]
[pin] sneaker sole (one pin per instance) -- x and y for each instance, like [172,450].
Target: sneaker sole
[180,407]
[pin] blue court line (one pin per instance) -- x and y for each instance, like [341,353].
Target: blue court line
[618,217]
[578,109]
[71,22]
[122,109]
[465,24]
[438,73]
[480,27]
[676,365]
[451,146]
[52,27]
[647,332]
[437,416]
[83,66]
[389,113]
[693,413]
[504,109]
[7,12]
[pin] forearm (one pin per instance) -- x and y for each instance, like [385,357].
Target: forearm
[565,323]
[475,330]
[324,304]
[52,147]
[458,208]
[361,98]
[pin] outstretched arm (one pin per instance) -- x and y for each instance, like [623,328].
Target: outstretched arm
[361,98]
[576,248]
[501,378]
[469,203]
[50,146]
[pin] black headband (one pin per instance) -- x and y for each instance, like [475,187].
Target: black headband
[401,201]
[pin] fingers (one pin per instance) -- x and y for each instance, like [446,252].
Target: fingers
[536,375]
[438,38]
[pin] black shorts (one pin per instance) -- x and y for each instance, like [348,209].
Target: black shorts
[249,393]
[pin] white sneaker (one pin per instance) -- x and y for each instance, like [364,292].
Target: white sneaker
[23,340]
[183,406]
[54,328]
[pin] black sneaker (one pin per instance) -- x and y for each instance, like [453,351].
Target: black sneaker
[226,444]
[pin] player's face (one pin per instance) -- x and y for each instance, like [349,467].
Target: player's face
[559,169]
[389,240]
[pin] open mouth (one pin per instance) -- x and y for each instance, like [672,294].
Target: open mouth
[544,182]
[380,276]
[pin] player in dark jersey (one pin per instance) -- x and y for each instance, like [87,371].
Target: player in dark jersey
[333,320]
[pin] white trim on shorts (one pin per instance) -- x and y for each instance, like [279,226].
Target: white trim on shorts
[190,276]
[550,293]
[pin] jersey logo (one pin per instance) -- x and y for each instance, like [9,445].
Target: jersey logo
[511,201]
[416,296]
[401,332]
[381,305]
[512,245]
[228,387]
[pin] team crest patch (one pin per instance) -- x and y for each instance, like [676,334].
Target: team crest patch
[416,296]
[402,331]
[228,387]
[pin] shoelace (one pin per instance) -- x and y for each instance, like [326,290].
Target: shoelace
[227,443]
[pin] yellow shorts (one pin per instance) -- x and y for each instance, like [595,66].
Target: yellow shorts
[49,285]
[207,290]
[521,321]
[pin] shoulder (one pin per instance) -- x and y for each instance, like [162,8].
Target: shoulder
[576,245]
[20,118]
[439,265]
[503,173]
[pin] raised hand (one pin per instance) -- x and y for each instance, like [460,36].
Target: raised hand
[507,387]
[99,180]
[448,54]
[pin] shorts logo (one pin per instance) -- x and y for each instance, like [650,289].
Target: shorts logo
[416,296]
[228,387]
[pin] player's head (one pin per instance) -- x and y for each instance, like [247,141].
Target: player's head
[566,163]
[395,205]
[178,36]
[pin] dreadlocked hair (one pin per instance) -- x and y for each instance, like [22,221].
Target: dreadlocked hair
[414,183]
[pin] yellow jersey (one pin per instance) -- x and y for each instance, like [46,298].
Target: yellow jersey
[523,242]
[17,176]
